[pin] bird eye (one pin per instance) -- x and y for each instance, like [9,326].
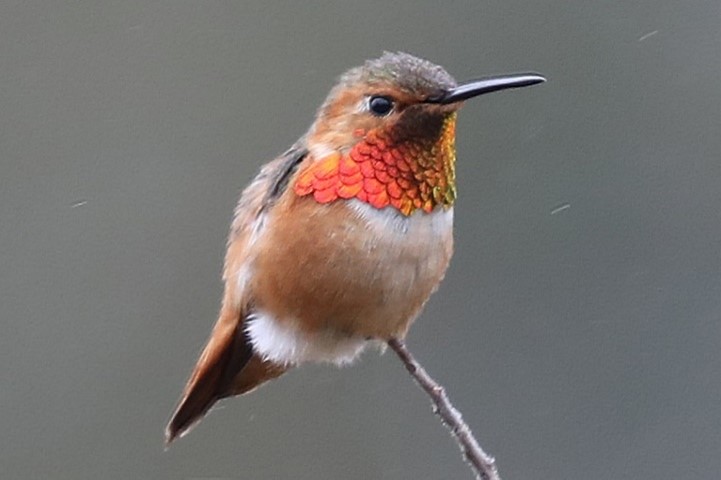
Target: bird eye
[380,105]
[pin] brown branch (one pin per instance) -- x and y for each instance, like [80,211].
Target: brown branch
[482,464]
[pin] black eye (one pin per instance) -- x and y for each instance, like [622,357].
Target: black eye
[380,105]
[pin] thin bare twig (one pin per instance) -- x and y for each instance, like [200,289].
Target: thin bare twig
[482,464]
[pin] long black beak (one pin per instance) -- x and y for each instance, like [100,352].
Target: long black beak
[486,85]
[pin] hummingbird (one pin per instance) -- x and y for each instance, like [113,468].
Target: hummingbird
[338,243]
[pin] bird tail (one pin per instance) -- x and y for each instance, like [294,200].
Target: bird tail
[226,367]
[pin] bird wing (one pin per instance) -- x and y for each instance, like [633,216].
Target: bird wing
[228,350]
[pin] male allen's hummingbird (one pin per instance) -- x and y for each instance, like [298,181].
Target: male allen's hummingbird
[341,240]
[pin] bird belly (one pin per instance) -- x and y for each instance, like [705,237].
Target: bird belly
[326,278]
[286,343]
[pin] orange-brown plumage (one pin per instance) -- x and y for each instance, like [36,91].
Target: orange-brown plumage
[342,239]
[336,278]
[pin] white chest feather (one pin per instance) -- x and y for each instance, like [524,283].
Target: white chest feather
[392,226]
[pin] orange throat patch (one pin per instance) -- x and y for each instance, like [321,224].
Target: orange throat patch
[408,176]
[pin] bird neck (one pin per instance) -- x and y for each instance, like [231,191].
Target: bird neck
[383,169]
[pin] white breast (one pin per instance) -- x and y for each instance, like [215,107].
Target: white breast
[392,225]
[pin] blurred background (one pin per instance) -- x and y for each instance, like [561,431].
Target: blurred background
[578,329]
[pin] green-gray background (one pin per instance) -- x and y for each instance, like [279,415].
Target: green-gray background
[579,326]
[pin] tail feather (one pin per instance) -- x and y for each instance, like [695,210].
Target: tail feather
[226,353]
[256,372]
[226,367]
